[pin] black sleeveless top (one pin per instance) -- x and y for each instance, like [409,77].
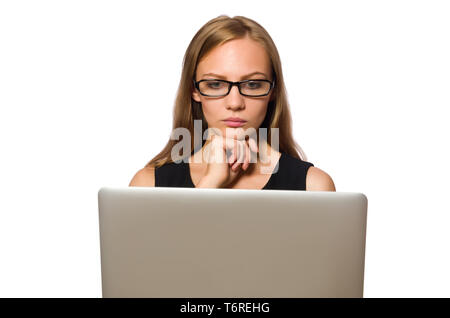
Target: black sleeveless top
[291,175]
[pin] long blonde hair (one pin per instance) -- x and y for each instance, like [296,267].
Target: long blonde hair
[214,33]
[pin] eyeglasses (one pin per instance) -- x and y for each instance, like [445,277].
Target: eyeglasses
[217,88]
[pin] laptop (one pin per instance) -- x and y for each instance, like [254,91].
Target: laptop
[170,242]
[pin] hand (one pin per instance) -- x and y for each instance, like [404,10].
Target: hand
[221,170]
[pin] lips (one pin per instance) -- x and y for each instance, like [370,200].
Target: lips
[235,119]
[234,122]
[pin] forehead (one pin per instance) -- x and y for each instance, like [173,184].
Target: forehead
[235,58]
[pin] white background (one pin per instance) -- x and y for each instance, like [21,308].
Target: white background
[87,91]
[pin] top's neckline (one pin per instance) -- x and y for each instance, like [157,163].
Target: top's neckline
[191,183]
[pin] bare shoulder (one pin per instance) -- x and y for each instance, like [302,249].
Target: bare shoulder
[144,178]
[319,180]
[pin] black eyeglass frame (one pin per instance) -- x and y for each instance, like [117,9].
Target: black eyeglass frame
[231,84]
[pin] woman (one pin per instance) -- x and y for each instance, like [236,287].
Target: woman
[232,83]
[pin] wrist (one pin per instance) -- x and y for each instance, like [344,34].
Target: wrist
[208,182]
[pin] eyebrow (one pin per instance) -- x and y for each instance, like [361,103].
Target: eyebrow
[244,76]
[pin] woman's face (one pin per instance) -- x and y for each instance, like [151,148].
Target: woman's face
[233,61]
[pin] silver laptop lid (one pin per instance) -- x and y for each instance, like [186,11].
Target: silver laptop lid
[189,243]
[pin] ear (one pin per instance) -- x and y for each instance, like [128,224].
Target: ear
[196,96]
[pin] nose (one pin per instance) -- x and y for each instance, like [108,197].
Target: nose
[234,99]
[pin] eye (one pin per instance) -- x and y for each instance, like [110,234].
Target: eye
[215,84]
[253,84]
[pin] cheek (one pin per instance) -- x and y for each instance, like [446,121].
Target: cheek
[211,112]
[208,111]
[259,114]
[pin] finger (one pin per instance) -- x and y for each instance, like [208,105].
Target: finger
[235,164]
[253,145]
[216,145]
[247,158]
[229,144]
[241,147]
[240,155]
[229,148]
[231,158]
[235,133]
